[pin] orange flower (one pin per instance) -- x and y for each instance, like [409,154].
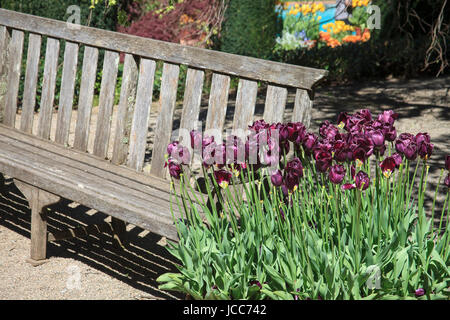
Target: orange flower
[324,35]
[366,35]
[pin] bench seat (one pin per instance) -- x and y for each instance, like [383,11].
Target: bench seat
[141,200]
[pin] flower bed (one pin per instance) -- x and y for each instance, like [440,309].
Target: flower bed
[288,214]
[303,26]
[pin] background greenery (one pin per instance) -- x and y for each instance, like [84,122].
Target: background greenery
[250,28]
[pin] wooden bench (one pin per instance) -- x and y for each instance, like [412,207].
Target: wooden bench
[110,178]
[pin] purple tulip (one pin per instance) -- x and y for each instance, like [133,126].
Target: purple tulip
[196,139]
[447,181]
[328,131]
[277,178]
[292,173]
[175,169]
[362,180]
[206,141]
[256,283]
[424,146]
[389,132]
[447,162]
[283,131]
[398,159]
[309,142]
[337,173]
[223,178]
[323,160]
[171,146]
[348,186]
[388,117]
[294,167]
[419,292]
[342,119]
[403,141]
[377,138]
[365,115]
[181,154]
[387,166]
[410,151]
[342,152]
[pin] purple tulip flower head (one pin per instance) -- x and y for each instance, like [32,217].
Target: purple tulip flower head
[223,178]
[171,146]
[447,181]
[181,154]
[388,117]
[424,146]
[277,178]
[387,166]
[292,173]
[337,173]
[377,138]
[419,292]
[323,160]
[175,169]
[362,180]
[398,159]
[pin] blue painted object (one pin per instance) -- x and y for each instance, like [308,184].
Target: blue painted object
[327,15]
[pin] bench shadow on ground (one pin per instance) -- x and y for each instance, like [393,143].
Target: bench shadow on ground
[138,265]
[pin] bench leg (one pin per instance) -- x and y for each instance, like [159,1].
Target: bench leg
[38,200]
[119,233]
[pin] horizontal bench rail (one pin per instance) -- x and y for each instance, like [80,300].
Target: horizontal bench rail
[231,64]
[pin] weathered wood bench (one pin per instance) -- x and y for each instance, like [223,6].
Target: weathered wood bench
[46,167]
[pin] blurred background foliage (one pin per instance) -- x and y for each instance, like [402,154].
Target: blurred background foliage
[412,41]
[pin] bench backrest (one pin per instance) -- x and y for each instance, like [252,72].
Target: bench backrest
[129,143]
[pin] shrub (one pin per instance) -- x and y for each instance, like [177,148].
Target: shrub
[336,219]
[250,28]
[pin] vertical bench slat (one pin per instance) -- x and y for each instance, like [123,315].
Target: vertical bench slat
[163,131]
[192,98]
[106,102]
[125,110]
[275,104]
[90,60]
[218,101]
[4,43]
[48,88]
[67,92]
[14,68]
[303,106]
[245,103]
[141,115]
[31,78]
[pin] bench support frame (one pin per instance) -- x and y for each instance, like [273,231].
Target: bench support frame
[39,200]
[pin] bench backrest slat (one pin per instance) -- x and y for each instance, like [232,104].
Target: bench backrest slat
[106,103]
[14,70]
[48,88]
[30,85]
[88,76]
[141,115]
[192,99]
[303,107]
[245,103]
[125,110]
[275,104]
[163,130]
[218,101]
[67,93]
[4,44]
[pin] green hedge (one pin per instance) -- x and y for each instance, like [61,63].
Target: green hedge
[102,17]
[250,28]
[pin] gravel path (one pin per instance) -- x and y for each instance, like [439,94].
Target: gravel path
[93,268]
